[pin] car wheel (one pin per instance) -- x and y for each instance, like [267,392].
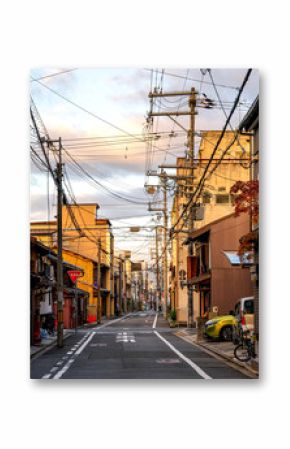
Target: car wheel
[226,333]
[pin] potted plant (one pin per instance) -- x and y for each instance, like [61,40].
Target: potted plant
[172,318]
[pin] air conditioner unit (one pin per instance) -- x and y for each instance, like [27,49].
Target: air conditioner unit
[198,212]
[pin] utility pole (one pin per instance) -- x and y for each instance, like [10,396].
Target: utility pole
[192,105]
[163,179]
[125,287]
[157,269]
[120,286]
[76,307]
[99,309]
[192,112]
[112,276]
[165,217]
[59,280]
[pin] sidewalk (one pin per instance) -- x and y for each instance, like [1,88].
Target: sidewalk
[51,341]
[222,349]
[48,343]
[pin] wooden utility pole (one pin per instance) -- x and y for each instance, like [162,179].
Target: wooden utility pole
[99,308]
[125,287]
[120,286]
[112,293]
[59,280]
[157,270]
[165,250]
[192,105]
[189,177]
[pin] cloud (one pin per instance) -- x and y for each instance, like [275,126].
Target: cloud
[119,96]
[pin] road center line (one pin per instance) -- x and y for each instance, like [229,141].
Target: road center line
[155,321]
[111,322]
[187,360]
[64,369]
[81,348]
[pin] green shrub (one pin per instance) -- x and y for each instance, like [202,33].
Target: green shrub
[172,315]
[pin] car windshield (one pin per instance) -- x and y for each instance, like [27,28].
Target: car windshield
[249,306]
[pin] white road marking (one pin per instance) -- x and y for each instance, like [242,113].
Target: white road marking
[111,322]
[124,337]
[168,361]
[155,321]
[64,369]
[193,365]
[85,343]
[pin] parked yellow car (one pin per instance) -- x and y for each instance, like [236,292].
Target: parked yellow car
[221,327]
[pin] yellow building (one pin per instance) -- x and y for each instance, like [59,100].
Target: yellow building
[85,235]
[86,282]
[124,275]
[214,202]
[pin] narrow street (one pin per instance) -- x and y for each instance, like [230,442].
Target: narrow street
[142,305]
[130,348]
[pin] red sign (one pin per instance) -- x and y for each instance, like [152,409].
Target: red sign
[74,274]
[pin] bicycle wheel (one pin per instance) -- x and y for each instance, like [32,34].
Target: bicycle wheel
[242,353]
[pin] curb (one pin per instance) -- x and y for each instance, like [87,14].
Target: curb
[47,347]
[228,358]
[224,356]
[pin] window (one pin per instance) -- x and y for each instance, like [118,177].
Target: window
[206,198]
[222,199]
[233,197]
[249,306]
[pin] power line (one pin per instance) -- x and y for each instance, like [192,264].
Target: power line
[199,187]
[196,80]
[225,114]
[86,110]
[129,200]
[52,74]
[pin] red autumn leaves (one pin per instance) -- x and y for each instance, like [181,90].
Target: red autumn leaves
[246,198]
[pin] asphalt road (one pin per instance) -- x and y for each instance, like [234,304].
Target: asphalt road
[133,347]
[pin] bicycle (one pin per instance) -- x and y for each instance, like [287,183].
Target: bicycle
[245,349]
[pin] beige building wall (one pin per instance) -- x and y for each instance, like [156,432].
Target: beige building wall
[95,229]
[217,201]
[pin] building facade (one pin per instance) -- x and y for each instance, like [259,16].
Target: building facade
[216,282]
[86,235]
[230,163]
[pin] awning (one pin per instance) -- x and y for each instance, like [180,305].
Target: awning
[72,291]
[197,280]
[238,260]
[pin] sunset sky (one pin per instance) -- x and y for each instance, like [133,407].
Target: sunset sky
[103,111]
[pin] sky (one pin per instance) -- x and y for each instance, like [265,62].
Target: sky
[100,114]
